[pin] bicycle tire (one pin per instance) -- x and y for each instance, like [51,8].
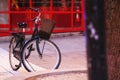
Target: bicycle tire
[36,62]
[14,63]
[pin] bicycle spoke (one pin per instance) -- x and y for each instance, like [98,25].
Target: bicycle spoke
[30,65]
[43,47]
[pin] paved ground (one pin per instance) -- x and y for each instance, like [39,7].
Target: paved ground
[72,47]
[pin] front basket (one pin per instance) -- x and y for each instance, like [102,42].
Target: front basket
[46,28]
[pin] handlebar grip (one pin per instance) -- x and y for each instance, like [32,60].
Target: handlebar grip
[35,9]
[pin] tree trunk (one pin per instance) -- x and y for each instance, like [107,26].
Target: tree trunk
[112,16]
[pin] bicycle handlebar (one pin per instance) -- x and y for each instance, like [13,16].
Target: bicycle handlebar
[36,19]
[35,9]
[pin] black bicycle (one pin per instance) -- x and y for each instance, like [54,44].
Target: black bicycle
[38,53]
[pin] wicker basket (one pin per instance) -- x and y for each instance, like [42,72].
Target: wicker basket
[46,28]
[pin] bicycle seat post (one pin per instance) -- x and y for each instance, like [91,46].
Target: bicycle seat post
[23,30]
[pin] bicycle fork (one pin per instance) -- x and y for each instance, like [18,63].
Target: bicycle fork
[38,48]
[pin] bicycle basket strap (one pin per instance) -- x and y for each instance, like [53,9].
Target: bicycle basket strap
[46,28]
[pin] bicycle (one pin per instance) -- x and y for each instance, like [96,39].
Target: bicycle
[37,53]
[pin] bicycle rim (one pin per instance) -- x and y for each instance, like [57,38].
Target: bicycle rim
[14,63]
[50,59]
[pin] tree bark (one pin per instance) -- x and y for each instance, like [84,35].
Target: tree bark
[112,16]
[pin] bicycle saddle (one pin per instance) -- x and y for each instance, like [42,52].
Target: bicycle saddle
[22,24]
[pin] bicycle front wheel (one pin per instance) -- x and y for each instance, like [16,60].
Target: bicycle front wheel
[48,58]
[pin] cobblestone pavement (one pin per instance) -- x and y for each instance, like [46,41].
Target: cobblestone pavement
[72,47]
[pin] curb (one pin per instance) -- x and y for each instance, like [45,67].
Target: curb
[75,74]
[54,35]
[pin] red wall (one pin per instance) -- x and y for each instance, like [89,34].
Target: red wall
[67,18]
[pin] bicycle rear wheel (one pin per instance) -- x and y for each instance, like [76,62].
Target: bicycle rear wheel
[50,57]
[14,62]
